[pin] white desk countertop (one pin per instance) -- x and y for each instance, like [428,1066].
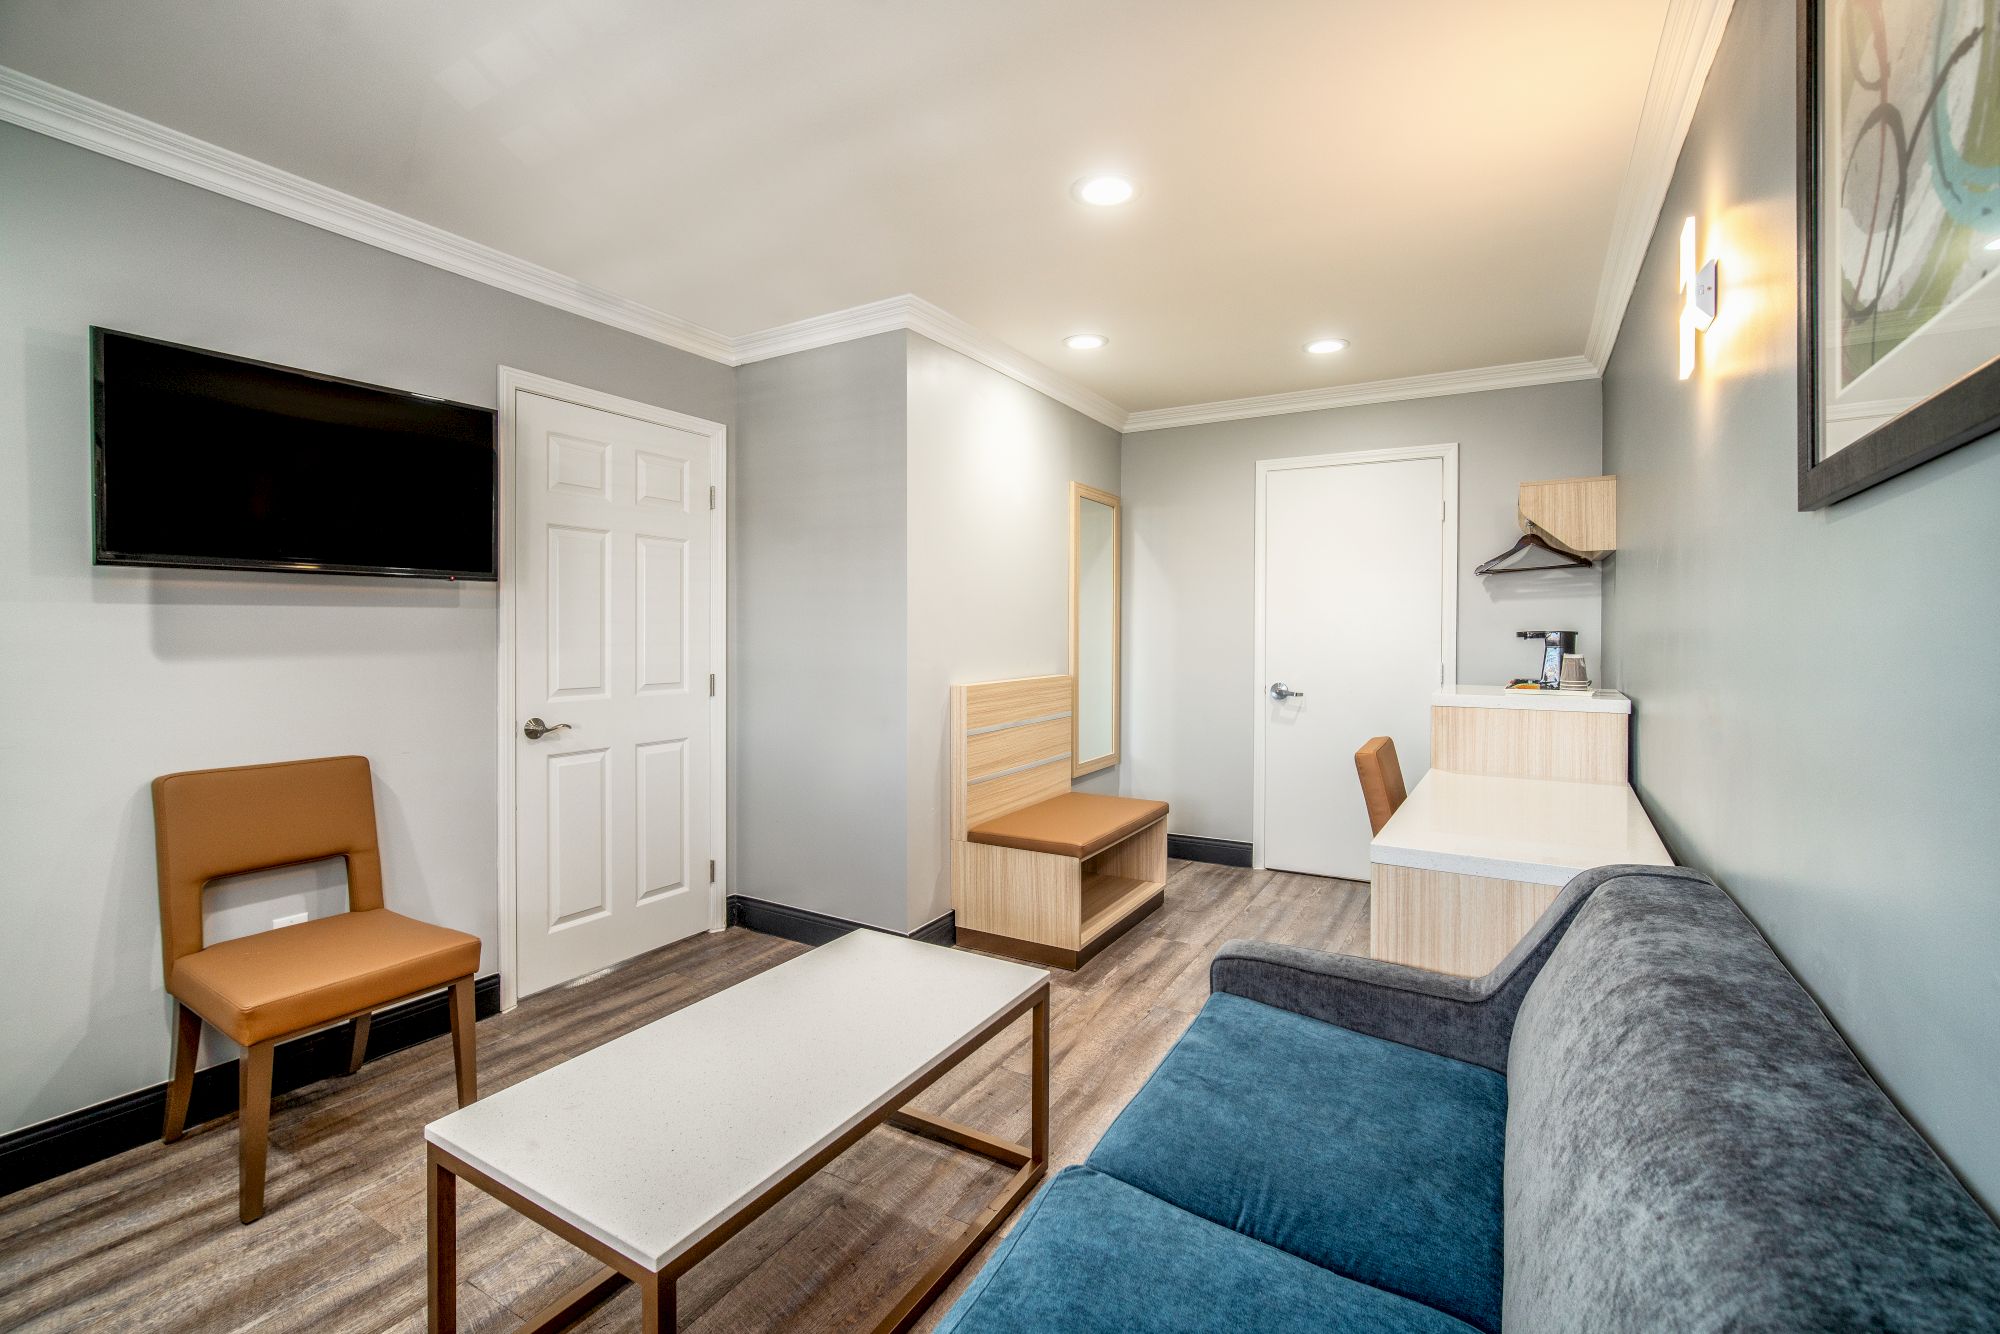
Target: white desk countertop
[1559,701]
[1527,829]
[650,1141]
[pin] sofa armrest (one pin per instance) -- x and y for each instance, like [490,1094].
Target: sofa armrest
[1466,1018]
[1431,1011]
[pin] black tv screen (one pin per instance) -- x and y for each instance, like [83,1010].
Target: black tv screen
[217,462]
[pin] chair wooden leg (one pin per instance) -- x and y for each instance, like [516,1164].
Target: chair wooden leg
[253,1127]
[464,1058]
[360,1052]
[187,1042]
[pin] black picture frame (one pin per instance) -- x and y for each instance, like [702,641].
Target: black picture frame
[1958,414]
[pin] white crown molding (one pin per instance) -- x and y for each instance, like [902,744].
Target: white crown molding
[840,326]
[1688,38]
[61,114]
[1690,34]
[1556,370]
[940,326]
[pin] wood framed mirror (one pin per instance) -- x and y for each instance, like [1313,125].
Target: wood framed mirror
[1094,644]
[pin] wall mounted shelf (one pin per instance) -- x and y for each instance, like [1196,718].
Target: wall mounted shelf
[1574,519]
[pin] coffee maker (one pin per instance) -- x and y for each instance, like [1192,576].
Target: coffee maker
[1555,643]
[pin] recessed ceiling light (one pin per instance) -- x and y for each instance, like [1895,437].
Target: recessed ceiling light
[1103,191]
[1085,342]
[1322,346]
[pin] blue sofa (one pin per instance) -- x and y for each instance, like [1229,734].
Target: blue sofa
[1638,1121]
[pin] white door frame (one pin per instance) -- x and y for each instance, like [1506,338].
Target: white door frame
[1448,668]
[513,382]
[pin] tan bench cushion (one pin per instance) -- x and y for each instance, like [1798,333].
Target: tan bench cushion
[278,982]
[1075,824]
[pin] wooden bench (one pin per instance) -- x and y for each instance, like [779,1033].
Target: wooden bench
[1039,872]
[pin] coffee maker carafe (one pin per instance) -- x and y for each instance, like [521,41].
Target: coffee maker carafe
[1555,643]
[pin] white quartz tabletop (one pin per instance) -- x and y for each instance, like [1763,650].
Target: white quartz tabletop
[1561,701]
[650,1141]
[1526,829]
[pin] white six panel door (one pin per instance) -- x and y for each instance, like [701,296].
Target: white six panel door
[612,588]
[1353,619]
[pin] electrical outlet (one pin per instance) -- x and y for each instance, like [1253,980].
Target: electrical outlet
[293,920]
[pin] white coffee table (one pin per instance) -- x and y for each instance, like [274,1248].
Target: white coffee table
[653,1149]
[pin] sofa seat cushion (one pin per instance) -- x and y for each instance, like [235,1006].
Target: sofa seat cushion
[278,982]
[1374,1160]
[1093,1255]
[1075,824]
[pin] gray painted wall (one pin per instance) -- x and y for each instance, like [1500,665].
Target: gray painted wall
[1190,570]
[819,652]
[117,675]
[990,465]
[1818,695]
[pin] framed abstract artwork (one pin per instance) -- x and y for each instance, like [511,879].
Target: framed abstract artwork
[1899,237]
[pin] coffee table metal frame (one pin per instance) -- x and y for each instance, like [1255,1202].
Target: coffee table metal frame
[444,1171]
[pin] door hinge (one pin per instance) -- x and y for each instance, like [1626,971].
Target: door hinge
[711,870]
[711,497]
[711,685]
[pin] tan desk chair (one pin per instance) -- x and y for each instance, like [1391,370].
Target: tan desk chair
[260,989]
[1381,780]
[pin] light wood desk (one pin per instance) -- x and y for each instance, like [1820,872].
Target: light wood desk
[1525,790]
[1575,736]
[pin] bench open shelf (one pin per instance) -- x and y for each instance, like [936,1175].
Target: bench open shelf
[1013,891]
[1111,901]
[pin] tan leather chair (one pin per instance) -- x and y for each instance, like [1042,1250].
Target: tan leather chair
[260,989]
[1381,780]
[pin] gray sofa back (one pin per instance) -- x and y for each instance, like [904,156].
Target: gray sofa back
[1690,1146]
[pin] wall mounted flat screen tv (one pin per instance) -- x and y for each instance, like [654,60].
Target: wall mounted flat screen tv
[209,461]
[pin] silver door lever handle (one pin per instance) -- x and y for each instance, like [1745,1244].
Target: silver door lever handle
[535,729]
[1281,691]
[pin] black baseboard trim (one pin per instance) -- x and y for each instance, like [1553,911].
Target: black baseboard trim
[817,928]
[1221,851]
[938,931]
[39,1153]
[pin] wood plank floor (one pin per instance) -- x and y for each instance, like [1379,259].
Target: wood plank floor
[149,1240]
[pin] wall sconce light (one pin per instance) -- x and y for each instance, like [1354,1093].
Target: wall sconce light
[1699,292]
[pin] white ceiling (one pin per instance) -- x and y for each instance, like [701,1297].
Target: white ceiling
[1436,180]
